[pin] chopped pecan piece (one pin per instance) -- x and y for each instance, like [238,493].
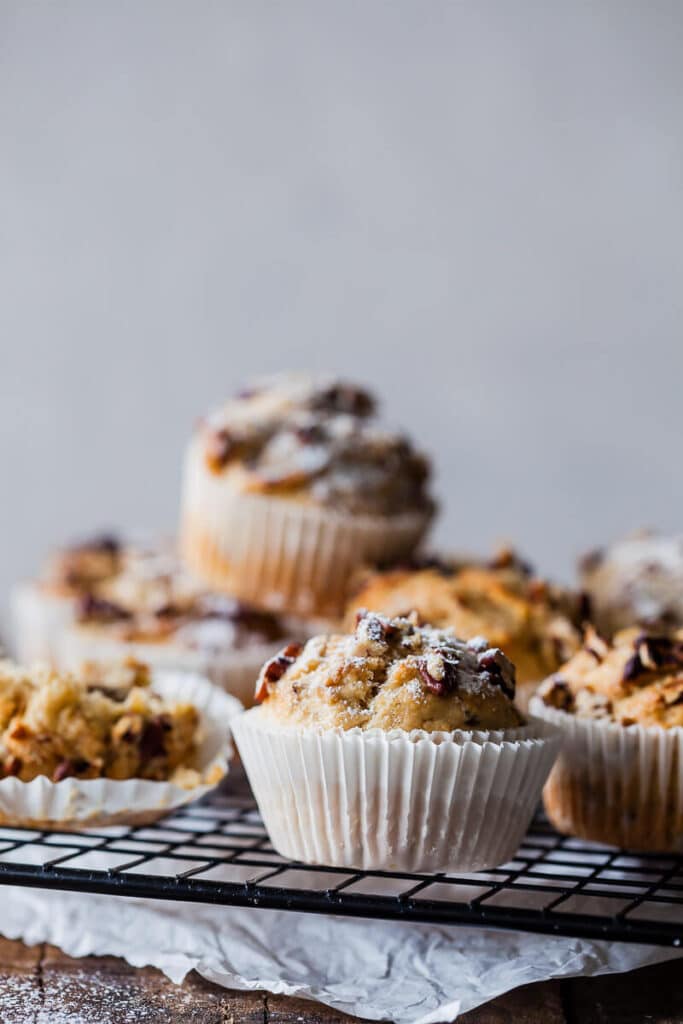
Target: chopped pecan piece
[96,609]
[558,694]
[152,742]
[274,669]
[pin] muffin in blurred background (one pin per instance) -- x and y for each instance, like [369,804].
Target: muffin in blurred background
[291,486]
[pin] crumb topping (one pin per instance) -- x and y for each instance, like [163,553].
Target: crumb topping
[391,673]
[635,678]
[533,621]
[151,598]
[101,723]
[299,435]
[636,581]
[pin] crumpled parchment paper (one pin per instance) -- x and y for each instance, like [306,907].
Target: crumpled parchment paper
[408,973]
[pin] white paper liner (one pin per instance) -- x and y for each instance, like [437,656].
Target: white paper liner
[80,803]
[615,784]
[395,801]
[278,553]
[235,672]
[38,619]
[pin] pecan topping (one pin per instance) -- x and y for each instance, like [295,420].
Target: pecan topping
[96,609]
[12,766]
[345,398]
[152,742]
[220,448]
[595,644]
[438,686]
[374,628]
[500,671]
[68,768]
[652,653]
[507,558]
[274,669]
[558,694]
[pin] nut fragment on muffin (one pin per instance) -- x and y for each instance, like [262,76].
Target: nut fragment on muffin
[635,581]
[292,485]
[106,725]
[394,747]
[533,621]
[619,704]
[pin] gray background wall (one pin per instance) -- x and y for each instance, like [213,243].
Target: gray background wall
[476,207]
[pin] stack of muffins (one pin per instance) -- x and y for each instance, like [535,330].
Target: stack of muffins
[392,729]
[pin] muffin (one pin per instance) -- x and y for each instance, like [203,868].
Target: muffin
[42,608]
[533,621]
[126,599]
[291,486]
[636,581]
[619,704]
[154,611]
[109,725]
[107,745]
[396,747]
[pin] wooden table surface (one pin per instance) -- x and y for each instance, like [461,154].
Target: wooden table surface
[40,985]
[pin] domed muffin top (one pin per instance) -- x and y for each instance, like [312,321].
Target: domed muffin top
[390,674]
[316,440]
[635,679]
[531,620]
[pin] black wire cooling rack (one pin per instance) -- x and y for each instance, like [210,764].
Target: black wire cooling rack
[217,851]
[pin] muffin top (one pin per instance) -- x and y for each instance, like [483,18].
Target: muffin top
[637,678]
[531,620]
[152,599]
[315,440]
[390,674]
[637,580]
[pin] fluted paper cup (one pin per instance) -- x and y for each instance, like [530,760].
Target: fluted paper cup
[84,803]
[234,671]
[395,801]
[616,784]
[279,553]
[39,617]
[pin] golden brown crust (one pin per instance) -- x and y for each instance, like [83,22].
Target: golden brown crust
[526,617]
[100,724]
[635,679]
[390,674]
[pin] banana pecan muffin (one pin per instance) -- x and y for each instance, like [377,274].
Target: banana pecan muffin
[619,704]
[109,725]
[636,581]
[396,747]
[533,621]
[292,485]
[154,611]
[134,599]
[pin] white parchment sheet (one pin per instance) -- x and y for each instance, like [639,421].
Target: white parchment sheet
[411,974]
